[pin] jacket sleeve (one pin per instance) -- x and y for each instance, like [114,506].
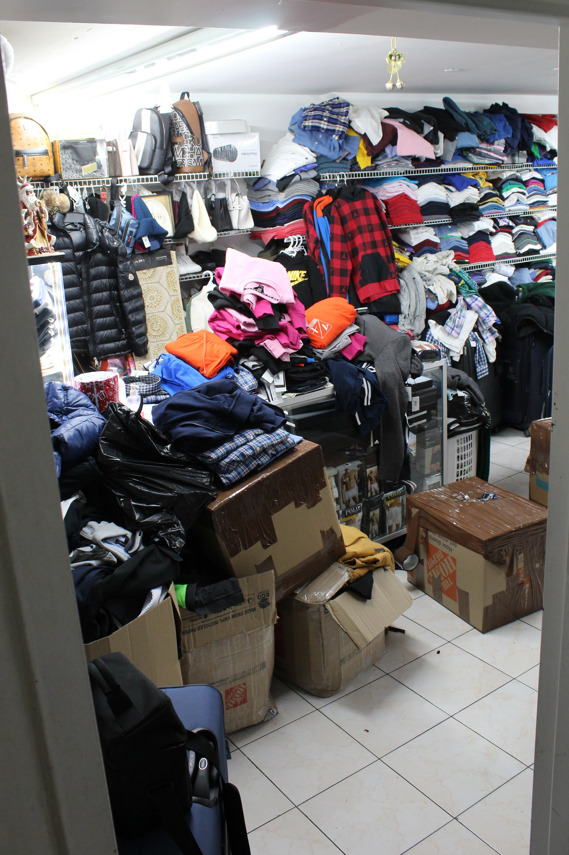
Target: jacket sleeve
[341,268]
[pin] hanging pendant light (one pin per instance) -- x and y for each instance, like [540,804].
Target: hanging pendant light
[394,60]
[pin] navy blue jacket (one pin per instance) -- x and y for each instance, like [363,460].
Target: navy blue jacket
[75,424]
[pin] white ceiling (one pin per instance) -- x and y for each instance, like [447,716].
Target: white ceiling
[46,54]
[491,54]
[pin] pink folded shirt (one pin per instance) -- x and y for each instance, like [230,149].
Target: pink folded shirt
[410,144]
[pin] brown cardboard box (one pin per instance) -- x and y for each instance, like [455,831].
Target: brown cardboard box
[281,519]
[233,650]
[538,461]
[321,644]
[149,642]
[483,560]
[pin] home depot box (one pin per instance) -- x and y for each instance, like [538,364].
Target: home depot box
[235,152]
[149,642]
[538,461]
[233,650]
[281,519]
[483,560]
[321,643]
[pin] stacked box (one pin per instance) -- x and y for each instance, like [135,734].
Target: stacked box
[538,461]
[481,551]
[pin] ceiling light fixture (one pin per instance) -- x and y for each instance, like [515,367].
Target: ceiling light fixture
[394,60]
[196,48]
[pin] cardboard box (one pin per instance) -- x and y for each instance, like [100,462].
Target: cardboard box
[483,560]
[233,650]
[538,461]
[149,642]
[235,152]
[281,519]
[321,644]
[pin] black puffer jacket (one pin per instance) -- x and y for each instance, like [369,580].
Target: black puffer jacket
[105,307]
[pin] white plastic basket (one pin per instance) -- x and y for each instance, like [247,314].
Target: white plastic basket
[462,454]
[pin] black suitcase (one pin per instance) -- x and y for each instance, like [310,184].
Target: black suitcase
[197,706]
[490,386]
[525,387]
[548,384]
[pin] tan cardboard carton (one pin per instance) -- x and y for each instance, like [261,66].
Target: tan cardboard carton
[233,650]
[149,642]
[538,461]
[321,643]
[483,560]
[281,519]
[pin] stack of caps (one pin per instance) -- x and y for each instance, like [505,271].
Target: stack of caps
[451,238]
[432,199]
[502,241]
[399,196]
[535,188]
[525,238]
[513,192]
[420,241]
[491,203]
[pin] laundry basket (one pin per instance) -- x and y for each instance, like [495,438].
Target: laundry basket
[461,456]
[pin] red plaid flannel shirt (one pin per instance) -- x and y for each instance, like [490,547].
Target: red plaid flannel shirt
[361,250]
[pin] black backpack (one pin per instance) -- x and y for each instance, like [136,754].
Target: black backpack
[150,138]
[151,759]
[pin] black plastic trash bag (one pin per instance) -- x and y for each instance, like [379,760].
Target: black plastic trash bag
[157,488]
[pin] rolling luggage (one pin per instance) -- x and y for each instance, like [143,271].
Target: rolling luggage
[490,386]
[524,381]
[197,707]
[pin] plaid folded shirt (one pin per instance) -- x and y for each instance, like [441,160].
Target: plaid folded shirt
[245,379]
[328,116]
[480,359]
[247,452]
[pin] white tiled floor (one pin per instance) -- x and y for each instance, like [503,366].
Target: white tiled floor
[428,752]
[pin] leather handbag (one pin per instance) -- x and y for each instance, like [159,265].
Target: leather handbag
[86,158]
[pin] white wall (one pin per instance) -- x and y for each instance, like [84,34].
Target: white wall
[111,116]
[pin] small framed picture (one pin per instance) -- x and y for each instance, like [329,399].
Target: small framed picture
[161,206]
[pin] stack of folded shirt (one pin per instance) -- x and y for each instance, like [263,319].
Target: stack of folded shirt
[525,238]
[546,231]
[535,188]
[322,127]
[451,239]
[275,210]
[513,191]
[480,248]
[233,431]
[305,373]
[420,241]
[502,241]
[490,203]
[487,152]
[399,196]
[331,329]
[432,198]
[549,175]
[247,452]
[477,234]
[256,309]
[463,203]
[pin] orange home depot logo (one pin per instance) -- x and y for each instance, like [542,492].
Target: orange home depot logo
[441,564]
[236,696]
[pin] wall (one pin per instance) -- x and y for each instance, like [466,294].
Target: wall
[111,116]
